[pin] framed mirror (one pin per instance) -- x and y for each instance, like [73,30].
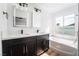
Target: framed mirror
[20,18]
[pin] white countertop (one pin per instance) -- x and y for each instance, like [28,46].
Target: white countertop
[7,37]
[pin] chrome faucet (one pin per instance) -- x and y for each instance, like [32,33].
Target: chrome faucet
[22,31]
[37,31]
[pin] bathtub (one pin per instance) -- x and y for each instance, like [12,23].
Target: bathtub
[63,47]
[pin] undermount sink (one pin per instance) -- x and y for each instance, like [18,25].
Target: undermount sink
[26,34]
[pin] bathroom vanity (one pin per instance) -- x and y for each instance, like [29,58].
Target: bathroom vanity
[33,45]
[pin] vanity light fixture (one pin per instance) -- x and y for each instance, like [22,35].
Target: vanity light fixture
[23,4]
[37,10]
[6,14]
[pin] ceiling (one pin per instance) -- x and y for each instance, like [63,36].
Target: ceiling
[54,7]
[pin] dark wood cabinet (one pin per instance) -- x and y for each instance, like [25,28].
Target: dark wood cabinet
[42,44]
[15,47]
[28,46]
[31,45]
[18,50]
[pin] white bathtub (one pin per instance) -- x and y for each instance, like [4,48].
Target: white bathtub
[63,47]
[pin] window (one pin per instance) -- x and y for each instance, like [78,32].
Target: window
[66,25]
[59,23]
[69,25]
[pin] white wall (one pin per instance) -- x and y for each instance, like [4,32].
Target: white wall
[3,24]
[36,19]
[64,12]
[44,23]
[15,30]
[0,46]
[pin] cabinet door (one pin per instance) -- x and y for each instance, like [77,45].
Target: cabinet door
[42,43]
[31,45]
[45,43]
[39,46]
[18,50]
[39,43]
[14,47]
